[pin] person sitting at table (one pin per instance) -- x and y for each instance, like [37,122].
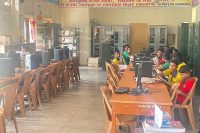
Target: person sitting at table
[172,73]
[165,65]
[116,59]
[158,58]
[167,50]
[125,55]
[180,60]
[186,83]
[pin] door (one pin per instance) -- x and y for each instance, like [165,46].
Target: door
[138,36]
[190,49]
[184,39]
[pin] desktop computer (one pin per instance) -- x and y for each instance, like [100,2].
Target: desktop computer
[146,68]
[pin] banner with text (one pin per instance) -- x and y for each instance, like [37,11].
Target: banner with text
[195,2]
[123,3]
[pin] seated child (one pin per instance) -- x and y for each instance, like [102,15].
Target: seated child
[186,83]
[116,57]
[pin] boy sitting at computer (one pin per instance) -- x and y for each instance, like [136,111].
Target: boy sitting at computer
[172,74]
[116,59]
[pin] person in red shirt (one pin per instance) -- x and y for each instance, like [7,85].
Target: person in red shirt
[185,84]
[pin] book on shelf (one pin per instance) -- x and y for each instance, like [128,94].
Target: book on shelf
[150,126]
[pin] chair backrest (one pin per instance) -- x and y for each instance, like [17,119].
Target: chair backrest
[67,66]
[191,93]
[116,71]
[24,81]
[111,86]
[9,93]
[188,99]
[58,70]
[173,89]
[35,80]
[110,73]
[106,100]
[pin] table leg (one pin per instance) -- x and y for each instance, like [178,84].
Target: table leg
[113,122]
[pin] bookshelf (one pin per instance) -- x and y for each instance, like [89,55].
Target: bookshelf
[70,37]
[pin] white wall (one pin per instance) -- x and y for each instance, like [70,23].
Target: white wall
[9,20]
[78,17]
[196,13]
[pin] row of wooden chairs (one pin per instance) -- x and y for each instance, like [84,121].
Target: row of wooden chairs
[52,80]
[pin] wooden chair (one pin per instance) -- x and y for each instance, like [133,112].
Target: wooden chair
[187,103]
[111,86]
[122,120]
[9,93]
[2,121]
[110,74]
[76,74]
[66,74]
[116,71]
[22,90]
[71,72]
[45,82]
[58,76]
[173,89]
[34,88]
[62,76]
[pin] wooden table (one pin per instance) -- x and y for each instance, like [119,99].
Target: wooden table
[128,104]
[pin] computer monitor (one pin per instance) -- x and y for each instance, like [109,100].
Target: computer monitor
[45,58]
[140,73]
[7,67]
[140,58]
[16,58]
[32,61]
[145,53]
[146,68]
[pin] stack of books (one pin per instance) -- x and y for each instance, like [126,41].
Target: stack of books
[162,123]
[149,126]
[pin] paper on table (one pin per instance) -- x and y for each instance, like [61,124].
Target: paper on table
[122,67]
[158,116]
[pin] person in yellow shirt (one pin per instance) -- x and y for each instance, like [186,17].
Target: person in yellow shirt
[179,57]
[116,59]
[172,73]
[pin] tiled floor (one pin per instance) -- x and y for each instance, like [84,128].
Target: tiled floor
[78,110]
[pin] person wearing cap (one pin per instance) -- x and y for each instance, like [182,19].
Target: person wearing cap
[116,59]
[180,59]
[186,83]
[172,73]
